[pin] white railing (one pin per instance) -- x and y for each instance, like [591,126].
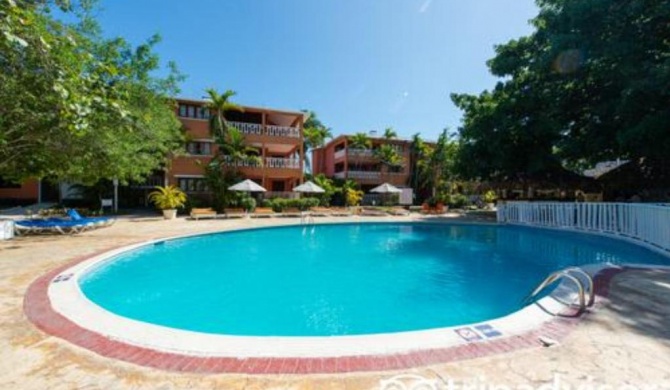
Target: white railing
[283,131]
[340,153]
[365,175]
[273,131]
[360,152]
[339,175]
[247,128]
[241,163]
[288,163]
[648,223]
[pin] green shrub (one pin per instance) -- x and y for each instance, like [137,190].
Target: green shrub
[248,204]
[458,201]
[489,196]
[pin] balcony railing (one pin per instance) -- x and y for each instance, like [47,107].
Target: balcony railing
[241,163]
[289,163]
[360,152]
[340,153]
[365,175]
[283,131]
[248,128]
[272,131]
[269,162]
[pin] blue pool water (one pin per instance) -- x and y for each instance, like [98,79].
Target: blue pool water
[342,279]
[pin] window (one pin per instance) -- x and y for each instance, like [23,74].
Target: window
[193,111]
[192,184]
[199,148]
[203,113]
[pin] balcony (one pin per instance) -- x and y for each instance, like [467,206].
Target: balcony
[360,153]
[365,175]
[268,162]
[271,131]
[340,153]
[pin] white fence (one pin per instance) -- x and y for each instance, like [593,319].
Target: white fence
[645,222]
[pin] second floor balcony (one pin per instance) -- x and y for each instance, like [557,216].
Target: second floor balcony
[267,162]
[268,130]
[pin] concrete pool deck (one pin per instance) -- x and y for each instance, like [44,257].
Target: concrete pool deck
[627,341]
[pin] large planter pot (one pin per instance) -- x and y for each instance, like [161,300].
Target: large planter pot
[170,214]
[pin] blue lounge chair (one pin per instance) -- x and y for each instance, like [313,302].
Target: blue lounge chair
[75,224]
[103,221]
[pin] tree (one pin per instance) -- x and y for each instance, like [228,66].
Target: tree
[419,154]
[438,170]
[360,141]
[328,186]
[218,105]
[75,106]
[235,151]
[315,135]
[390,133]
[591,83]
[388,156]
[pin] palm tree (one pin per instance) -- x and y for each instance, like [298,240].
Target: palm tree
[315,137]
[217,105]
[390,133]
[440,163]
[360,141]
[388,155]
[236,151]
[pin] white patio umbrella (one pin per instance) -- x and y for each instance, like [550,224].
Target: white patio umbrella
[309,188]
[247,186]
[386,188]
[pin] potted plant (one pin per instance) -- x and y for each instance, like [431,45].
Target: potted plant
[489,198]
[168,199]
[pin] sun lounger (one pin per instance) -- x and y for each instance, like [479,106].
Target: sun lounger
[263,212]
[235,213]
[98,221]
[398,211]
[292,212]
[321,211]
[203,213]
[371,212]
[340,212]
[52,225]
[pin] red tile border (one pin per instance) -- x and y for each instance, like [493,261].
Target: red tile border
[37,308]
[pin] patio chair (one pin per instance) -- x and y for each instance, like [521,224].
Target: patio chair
[292,212]
[196,214]
[99,221]
[52,225]
[235,213]
[341,212]
[398,211]
[321,211]
[263,212]
[373,212]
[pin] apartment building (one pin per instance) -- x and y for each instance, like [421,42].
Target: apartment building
[277,136]
[339,159]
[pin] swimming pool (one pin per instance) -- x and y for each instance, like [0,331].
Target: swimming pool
[342,279]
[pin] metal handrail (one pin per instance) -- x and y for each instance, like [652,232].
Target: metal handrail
[567,274]
[589,280]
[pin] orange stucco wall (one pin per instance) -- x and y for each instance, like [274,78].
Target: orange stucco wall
[28,190]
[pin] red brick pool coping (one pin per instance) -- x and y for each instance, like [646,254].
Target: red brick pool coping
[39,311]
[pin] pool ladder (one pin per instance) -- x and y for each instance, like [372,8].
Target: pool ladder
[306,218]
[582,280]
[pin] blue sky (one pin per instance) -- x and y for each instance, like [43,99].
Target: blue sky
[360,64]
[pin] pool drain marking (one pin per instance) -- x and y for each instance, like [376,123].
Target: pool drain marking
[468,334]
[488,331]
[478,332]
[62,278]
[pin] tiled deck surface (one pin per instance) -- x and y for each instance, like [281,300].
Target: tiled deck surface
[627,341]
